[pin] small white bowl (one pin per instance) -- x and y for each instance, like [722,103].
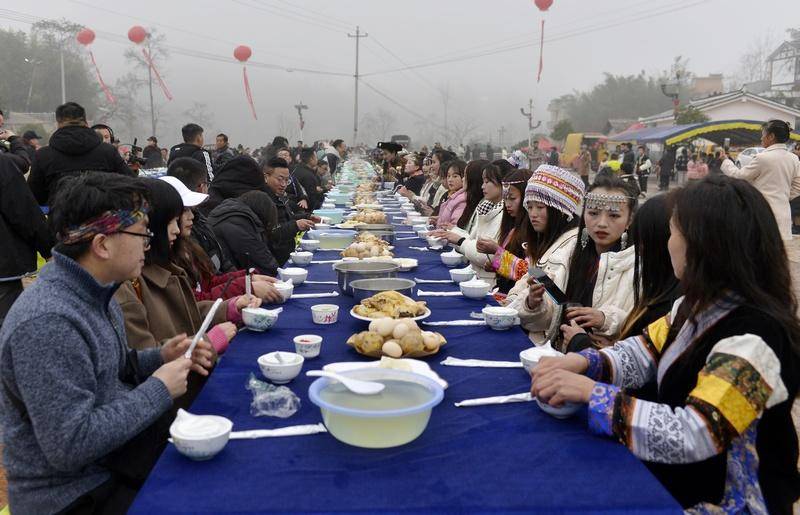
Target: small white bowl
[301,258]
[309,245]
[328,205]
[285,289]
[297,275]
[530,357]
[419,227]
[325,313]
[475,288]
[259,319]
[459,275]
[500,318]
[203,445]
[308,345]
[452,258]
[435,243]
[321,226]
[277,372]
[565,411]
[423,234]
[418,220]
[406,264]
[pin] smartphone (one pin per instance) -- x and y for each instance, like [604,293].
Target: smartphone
[541,277]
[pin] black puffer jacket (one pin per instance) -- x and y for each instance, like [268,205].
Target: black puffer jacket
[204,235]
[282,240]
[23,228]
[236,177]
[195,152]
[241,234]
[309,179]
[73,149]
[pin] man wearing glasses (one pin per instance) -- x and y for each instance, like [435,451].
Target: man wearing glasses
[85,417]
[290,218]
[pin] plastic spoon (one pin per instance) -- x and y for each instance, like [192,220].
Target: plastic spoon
[354,385]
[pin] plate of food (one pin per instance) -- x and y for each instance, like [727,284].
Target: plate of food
[396,339]
[390,304]
[366,245]
[349,224]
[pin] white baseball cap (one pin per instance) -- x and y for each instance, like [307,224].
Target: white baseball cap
[190,198]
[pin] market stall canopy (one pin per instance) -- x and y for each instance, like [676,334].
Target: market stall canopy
[740,132]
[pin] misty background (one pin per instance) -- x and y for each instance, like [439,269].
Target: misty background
[469,65]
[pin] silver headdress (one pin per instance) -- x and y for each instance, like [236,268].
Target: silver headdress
[604,201]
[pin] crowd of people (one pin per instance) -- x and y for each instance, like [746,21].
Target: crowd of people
[679,330]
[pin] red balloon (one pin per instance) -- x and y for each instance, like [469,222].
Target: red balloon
[137,34]
[543,5]
[242,53]
[85,36]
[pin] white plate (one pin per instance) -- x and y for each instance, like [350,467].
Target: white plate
[348,226]
[367,319]
[417,367]
[374,207]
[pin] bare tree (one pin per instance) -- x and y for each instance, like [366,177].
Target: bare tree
[444,91]
[287,128]
[463,128]
[753,64]
[155,46]
[378,125]
[198,113]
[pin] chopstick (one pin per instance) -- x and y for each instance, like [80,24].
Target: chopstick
[203,328]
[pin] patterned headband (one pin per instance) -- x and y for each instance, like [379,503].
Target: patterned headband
[109,222]
[507,187]
[603,201]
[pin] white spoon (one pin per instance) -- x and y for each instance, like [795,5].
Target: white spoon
[354,385]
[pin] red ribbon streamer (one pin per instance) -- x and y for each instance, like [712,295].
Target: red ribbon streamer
[103,86]
[248,93]
[158,77]
[541,54]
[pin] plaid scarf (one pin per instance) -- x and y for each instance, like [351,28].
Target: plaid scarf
[486,206]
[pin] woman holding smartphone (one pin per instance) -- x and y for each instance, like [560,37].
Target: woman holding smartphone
[597,273]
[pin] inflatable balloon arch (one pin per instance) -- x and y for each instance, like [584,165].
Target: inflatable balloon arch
[138,35]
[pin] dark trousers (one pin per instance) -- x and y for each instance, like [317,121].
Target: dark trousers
[9,291]
[110,498]
[663,180]
[643,182]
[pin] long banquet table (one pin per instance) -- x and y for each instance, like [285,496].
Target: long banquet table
[500,458]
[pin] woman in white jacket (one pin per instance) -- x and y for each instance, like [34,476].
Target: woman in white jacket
[596,274]
[553,198]
[484,221]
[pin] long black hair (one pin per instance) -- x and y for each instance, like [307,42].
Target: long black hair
[521,222]
[165,205]
[557,224]
[733,244]
[473,178]
[583,263]
[654,279]
[261,204]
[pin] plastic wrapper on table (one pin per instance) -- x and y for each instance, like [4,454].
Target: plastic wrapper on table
[270,400]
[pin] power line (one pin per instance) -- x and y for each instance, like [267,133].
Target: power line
[322,18]
[284,14]
[401,61]
[558,37]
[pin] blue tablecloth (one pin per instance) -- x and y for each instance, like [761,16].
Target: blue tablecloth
[492,458]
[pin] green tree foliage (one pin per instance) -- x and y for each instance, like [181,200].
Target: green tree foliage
[690,114]
[561,130]
[34,59]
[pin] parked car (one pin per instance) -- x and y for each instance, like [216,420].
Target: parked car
[747,155]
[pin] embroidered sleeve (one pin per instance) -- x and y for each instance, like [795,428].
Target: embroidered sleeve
[601,408]
[740,380]
[633,362]
[508,265]
[599,368]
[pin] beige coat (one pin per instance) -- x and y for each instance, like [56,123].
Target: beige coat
[776,174]
[486,226]
[163,307]
[612,295]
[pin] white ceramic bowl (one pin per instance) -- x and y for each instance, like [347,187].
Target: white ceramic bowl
[565,411]
[202,444]
[499,318]
[436,243]
[301,258]
[328,205]
[321,225]
[423,234]
[285,289]
[277,372]
[309,245]
[325,313]
[474,288]
[406,264]
[297,275]
[420,227]
[308,345]
[459,275]
[452,258]
[259,319]
[530,357]
[418,220]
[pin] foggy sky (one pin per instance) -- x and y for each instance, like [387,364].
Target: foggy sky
[489,90]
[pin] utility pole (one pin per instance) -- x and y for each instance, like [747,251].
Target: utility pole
[500,133]
[33,63]
[531,126]
[63,85]
[300,107]
[358,35]
[150,84]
